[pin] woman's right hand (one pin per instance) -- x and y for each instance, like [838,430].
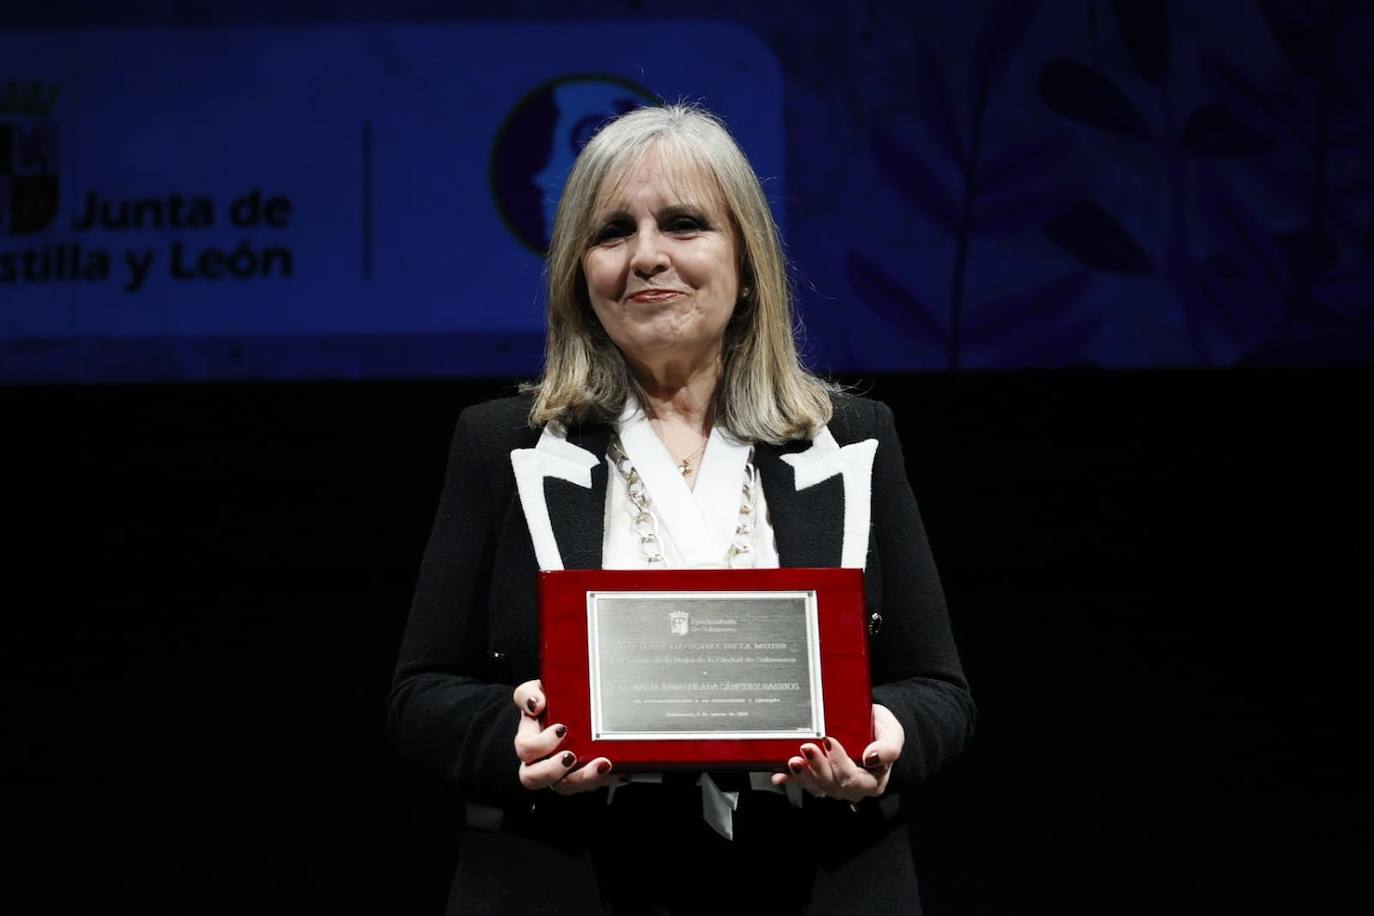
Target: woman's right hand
[540,766]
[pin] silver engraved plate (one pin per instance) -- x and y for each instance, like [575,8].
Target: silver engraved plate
[704,665]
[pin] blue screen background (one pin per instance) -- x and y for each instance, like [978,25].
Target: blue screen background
[960,186]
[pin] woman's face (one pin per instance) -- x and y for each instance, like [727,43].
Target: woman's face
[662,272]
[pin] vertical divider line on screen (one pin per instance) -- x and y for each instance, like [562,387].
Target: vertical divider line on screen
[367,200]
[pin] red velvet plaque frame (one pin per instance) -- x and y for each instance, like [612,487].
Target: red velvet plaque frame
[840,625]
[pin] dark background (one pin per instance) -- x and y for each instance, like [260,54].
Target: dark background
[1157,582]
[1158,578]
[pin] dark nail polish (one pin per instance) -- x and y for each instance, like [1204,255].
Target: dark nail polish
[794,767]
[529,704]
[560,730]
[603,767]
[569,759]
[808,753]
[827,745]
[872,759]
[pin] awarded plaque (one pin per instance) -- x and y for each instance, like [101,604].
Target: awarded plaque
[705,668]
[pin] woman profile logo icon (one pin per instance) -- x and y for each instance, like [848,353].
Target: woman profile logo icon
[535,148]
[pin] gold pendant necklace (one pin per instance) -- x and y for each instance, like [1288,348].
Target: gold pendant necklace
[684,465]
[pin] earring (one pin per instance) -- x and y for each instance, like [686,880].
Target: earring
[745,292]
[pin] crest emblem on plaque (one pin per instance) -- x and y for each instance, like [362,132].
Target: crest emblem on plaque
[28,158]
[678,621]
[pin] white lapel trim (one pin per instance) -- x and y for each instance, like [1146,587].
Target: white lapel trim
[854,463]
[552,456]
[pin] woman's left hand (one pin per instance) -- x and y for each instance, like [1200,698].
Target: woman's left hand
[825,769]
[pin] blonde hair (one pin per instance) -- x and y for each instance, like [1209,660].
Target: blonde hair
[764,393]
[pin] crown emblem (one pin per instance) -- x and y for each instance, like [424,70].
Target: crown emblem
[28,98]
[678,622]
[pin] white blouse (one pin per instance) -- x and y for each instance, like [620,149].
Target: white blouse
[696,526]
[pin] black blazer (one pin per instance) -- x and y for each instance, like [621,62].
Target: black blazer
[516,500]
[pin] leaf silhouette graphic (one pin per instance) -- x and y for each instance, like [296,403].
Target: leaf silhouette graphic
[913,180]
[999,37]
[1023,210]
[1144,28]
[1024,162]
[1244,101]
[1077,91]
[1350,130]
[1247,243]
[1308,252]
[1211,131]
[935,107]
[1048,346]
[1026,313]
[1296,35]
[1214,302]
[1350,219]
[1285,178]
[890,300]
[1094,238]
[1203,309]
[1349,289]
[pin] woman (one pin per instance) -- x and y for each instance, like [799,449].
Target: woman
[671,379]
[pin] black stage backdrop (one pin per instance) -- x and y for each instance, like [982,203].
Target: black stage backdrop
[1158,583]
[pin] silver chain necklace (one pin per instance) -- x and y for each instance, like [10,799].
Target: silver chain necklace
[644,523]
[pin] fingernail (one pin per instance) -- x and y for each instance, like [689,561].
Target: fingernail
[794,767]
[827,745]
[808,753]
[560,730]
[603,767]
[872,759]
[530,704]
[569,759]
